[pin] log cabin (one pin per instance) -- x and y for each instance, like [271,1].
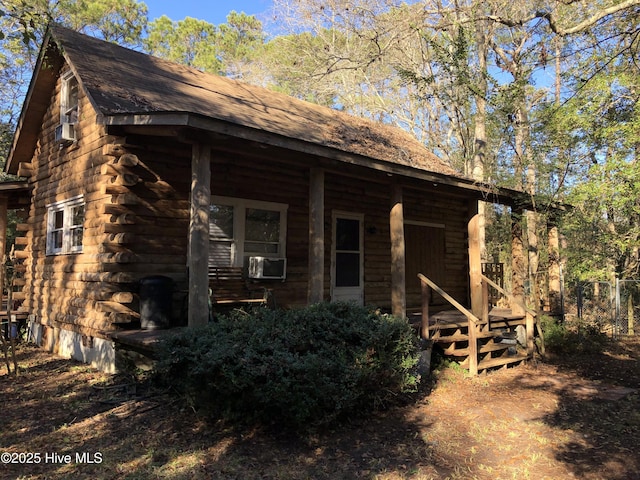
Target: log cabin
[136,168]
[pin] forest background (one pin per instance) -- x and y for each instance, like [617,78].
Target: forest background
[535,95]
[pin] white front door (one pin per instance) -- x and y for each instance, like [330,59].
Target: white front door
[347,258]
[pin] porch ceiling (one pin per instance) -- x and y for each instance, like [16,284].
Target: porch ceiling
[188,128]
[17,194]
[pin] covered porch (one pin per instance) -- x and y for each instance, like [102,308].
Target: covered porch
[14,196]
[500,327]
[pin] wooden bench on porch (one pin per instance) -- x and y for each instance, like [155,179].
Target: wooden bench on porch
[228,287]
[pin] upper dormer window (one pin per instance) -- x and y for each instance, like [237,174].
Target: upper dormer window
[69,103]
[66,131]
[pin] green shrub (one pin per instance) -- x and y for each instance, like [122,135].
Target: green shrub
[570,338]
[298,368]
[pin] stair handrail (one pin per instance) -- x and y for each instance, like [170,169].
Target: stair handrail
[450,299]
[509,296]
[474,322]
[534,316]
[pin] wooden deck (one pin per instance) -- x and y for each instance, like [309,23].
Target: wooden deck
[136,349]
[448,329]
[144,340]
[18,315]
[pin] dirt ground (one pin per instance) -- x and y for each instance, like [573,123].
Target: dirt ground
[571,417]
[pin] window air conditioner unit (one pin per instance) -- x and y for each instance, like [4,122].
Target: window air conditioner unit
[65,132]
[267,268]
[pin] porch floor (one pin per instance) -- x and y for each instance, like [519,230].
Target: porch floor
[142,339]
[448,329]
[498,318]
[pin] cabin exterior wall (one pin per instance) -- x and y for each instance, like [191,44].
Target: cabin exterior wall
[366,195]
[62,289]
[136,221]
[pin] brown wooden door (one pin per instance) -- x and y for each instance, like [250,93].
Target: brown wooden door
[424,253]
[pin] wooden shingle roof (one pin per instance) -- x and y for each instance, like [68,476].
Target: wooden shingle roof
[120,81]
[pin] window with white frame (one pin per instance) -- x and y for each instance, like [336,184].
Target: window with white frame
[241,228]
[69,99]
[66,131]
[65,226]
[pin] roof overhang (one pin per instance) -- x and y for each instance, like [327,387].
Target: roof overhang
[35,105]
[189,127]
[186,127]
[17,194]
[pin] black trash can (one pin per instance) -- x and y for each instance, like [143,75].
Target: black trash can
[156,302]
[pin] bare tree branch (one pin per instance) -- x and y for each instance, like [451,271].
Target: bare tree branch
[580,27]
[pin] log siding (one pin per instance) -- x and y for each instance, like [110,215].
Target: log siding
[136,190]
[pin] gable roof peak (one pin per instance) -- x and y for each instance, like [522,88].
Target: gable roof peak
[126,85]
[122,81]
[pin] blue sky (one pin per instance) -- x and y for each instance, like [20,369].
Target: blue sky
[212,11]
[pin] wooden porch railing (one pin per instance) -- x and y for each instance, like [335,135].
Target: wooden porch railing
[531,316]
[474,322]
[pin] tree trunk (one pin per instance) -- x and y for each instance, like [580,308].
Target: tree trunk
[630,326]
[480,141]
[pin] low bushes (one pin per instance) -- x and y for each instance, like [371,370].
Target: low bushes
[298,368]
[570,338]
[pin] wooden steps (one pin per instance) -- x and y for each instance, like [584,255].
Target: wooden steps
[497,362]
[483,349]
[503,318]
[458,335]
[449,330]
[490,363]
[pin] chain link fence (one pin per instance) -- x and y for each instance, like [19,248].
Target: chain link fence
[627,303]
[613,307]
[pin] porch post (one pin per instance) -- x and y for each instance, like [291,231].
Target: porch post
[475,259]
[315,292]
[519,273]
[518,267]
[198,261]
[398,281]
[555,295]
[3,239]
